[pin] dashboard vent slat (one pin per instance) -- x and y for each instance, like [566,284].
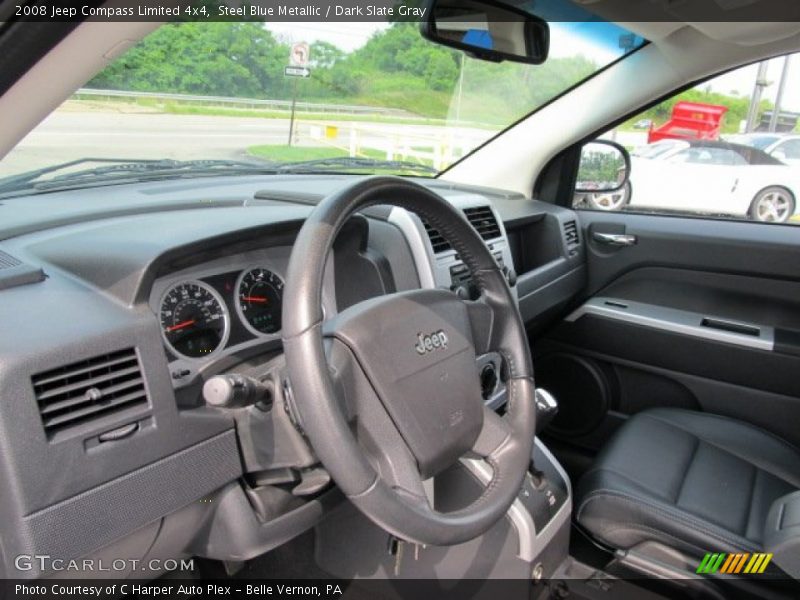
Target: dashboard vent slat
[571,236]
[82,391]
[61,405]
[438,241]
[58,375]
[83,385]
[91,411]
[483,220]
[7,261]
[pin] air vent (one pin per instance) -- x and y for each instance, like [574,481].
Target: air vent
[480,217]
[83,391]
[7,261]
[438,242]
[13,272]
[483,220]
[571,234]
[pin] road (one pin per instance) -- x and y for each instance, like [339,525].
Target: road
[67,135]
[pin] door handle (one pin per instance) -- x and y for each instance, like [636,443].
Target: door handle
[615,239]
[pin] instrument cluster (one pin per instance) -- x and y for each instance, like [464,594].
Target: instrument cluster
[200,317]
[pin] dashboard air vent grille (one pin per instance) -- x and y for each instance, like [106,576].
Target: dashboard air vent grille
[438,241]
[7,261]
[89,389]
[483,220]
[571,234]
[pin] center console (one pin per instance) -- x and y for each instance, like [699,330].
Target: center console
[530,543]
[438,264]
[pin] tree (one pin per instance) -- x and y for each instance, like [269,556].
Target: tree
[325,55]
[236,59]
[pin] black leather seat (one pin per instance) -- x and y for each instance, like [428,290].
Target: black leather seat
[691,481]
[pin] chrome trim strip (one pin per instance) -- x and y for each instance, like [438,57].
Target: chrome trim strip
[401,218]
[564,514]
[531,542]
[518,515]
[675,321]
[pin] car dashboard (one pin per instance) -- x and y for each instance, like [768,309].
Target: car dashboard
[115,311]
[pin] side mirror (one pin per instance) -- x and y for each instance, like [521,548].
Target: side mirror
[487,29]
[779,154]
[605,166]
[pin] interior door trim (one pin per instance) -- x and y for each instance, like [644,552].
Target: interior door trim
[683,322]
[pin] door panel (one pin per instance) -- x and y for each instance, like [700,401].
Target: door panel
[698,314]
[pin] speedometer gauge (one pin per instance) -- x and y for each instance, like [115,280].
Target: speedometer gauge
[260,300]
[194,321]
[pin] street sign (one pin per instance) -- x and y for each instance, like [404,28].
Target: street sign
[298,67]
[297,72]
[300,54]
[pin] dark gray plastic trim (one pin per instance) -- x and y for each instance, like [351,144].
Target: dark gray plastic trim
[88,521]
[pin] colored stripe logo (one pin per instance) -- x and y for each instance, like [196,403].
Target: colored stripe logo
[731,564]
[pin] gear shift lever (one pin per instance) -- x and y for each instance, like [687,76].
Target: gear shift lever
[546,409]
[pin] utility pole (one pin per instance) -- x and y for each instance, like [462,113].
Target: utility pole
[294,101]
[755,100]
[773,122]
[460,89]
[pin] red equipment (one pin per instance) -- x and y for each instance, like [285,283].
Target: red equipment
[690,121]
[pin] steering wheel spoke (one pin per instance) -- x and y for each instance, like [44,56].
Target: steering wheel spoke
[371,424]
[494,433]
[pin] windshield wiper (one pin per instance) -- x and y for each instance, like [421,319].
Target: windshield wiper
[18,181]
[350,162]
[123,169]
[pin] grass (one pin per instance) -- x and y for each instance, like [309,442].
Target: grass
[281,153]
[220,111]
[181,108]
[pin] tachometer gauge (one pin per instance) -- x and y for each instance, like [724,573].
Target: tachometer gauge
[194,321]
[259,295]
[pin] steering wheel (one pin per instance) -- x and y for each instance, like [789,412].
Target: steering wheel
[387,392]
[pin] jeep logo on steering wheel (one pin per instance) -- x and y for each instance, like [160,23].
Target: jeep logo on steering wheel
[430,342]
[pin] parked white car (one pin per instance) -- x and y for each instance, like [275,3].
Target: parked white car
[784,147]
[707,177]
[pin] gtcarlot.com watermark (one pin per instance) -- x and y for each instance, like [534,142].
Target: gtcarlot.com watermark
[47,563]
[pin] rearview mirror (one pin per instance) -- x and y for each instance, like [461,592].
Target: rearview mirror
[488,30]
[605,166]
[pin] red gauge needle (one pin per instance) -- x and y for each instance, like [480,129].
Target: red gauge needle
[180,325]
[260,299]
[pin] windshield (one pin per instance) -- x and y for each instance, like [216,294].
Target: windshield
[755,141]
[658,149]
[324,96]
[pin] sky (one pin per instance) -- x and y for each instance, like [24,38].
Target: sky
[566,39]
[347,36]
[743,80]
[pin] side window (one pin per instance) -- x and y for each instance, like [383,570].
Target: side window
[728,148]
[789,149]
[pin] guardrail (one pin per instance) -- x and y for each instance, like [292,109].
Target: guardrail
[248,102]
